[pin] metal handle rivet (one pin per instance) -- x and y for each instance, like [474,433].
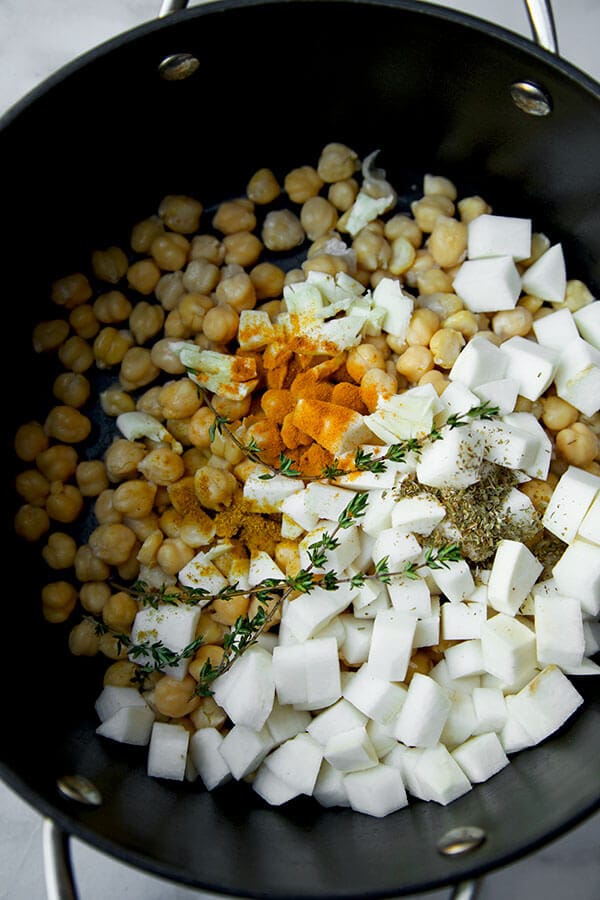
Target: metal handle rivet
[178,66]
[79,788]
[531,98]
[461,840]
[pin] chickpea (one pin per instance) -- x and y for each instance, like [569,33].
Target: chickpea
[170,252]
[162,466]
[173,554]
[179,399]
[71,291]
[104,510]
[30,441]
[577,295]
[214,487]
[282,230]
[175,698]
[337,162]
[372,250]
[363,358]
[119,611]
[577,444]
[149,402]
[463,321]
[174,327]
[268,280]
[111,647]
[59,599]
[558,414]
[539,492]
[32,487]
[235,215]
[144,232]
[84,322]
[428,209]
[242,248]
[436,378]
[112,307]
[227,611]
[57,463]
[511,322]
[179,430]
[221,323]
[414,362]
[72,389]
[143,275]
[377,384]
[318,216]
[439,184]
[110,264]
[263,187]
[442,304]
[180,213]
[445,345]
[59,551]
[211,653]
[76,354]
[470,208]
[49,335]
[31,522]
[192,309]
[93,595]
[137,369]
[134,498]
[200,424]
[120,673]
[423,325]
[65,423]
[64,503]
[110,346]
[236,292]
[83,639]
[169,290]
[91,477]
[114,401]
[146,555]
[201,277]
[142,526]
[165,357]
[448,241]
[342,194]
[112,544]
[146,320]
[326,262]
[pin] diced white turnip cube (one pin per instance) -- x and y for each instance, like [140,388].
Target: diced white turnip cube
[208,761]
[461,621]
[128,725]
[427,629]
[464,685]
[532,365]
[457,398]
[418,514]
[460,722]
[545,704]
[480,757]
[168,750]
[285,722]
[547,278]
[378,791]
[423,714]
[338,558]
[508,648]
[262,566]
[454,580]
[370,609]
[382,737]
[267,496]
[378,514]
[405,759]
[296,762]
[326,500]
[354,648]
[517,508]
[112,698]
[489,705]
[454,461]
[577,574]
[410,595]
[341,716]
[375,697]
[243,749]
[391,644]
[173,626]
[487,285]
[559,631]
[368,592]
[513,736]
[587,320]
[465,658]
[398,546]
[309,612]
[247,690]
[329,789]
[477,363]
[274,790]
[514,572]
[491,235]
[507,446]
[577,376]
[591,633]
[589,529]
[440,776]
[569,503]
[540,465]
[294,506]
[334,629]
[501,393]
[201,572]
[351,751]
[398,306]
[322,674]
[556,329]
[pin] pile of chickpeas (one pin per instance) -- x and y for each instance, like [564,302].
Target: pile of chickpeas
[187,274]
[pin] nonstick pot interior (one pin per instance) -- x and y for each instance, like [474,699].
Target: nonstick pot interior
[104,141]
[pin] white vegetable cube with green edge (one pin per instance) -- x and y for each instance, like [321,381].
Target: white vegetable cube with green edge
[465,658]
[545,703]
[272,789]
[556,329]
[263,566]
[337,558]
[559,631]
[577,377]
[169,625]
[296,762]
[201,573]
[246,691]
[547,277]
[397,546]
[508,648]
[376,697]
[423,714]
[491,235]
[410,595]
[587,320]
[285,722]
[480,757]
[453,462]
[209,762]
[478,363]
[532,365]
[243,749]
[351,751]
[489,284]
[569,503]
[128,725]
[339,717]
[489,705]
[398,306]
[589,529]
[114,697]
[454,580]
[307,613]
[577,574]
[460,722]
[391,644]
[267,495]
[354,648]
[461,621]
[329,789]
[167,751]
[514,572]
[419,514]
[440,777]
[377,791]
[501,393]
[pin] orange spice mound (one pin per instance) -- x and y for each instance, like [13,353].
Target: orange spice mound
[255,531]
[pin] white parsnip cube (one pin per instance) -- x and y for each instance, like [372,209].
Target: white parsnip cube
[464,685]
[354,648]
[491,235]
[540,465]
[274,790]
[578,376]
[440,776]
[406,759]
[112,698]
[201,572]
[462,621]
[489,705]
[168,750]
[243,749]
[559,631]
[513,736]
[322,674]
[306,614]
[501,393]
[378,791]
[418,514]
[296,762]
[209,762]
[569,503]
[375,697]
[329,789]
[545,704]
[460,722]
[391,644]
[427,629]
[424,713]
[370,609]
[398,546]
[411,595]
[454,580]
[173,626]
[382,738]
[267,496]
[285,722]
[247,690]
[556,329]
[587,320]
[518,508]
[508,648]
[547,278]
[338,558]
[478,363]
[506,445]
[480,757]
[262,566]
[514,572]
[294,507]
[487,285]
[577,574]
[454,461]
[465,658]
[378,514]
[326,500]
[128,725]
[339,717]
[589,529]
[457,398]
[351,751]
[532,365]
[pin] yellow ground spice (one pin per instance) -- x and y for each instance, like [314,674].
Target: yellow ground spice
[255,531]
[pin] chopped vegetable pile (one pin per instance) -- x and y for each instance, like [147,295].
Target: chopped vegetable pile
[345,537]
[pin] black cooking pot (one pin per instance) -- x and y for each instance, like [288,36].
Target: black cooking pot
[94,150]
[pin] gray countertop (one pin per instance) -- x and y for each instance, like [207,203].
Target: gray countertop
[36,38]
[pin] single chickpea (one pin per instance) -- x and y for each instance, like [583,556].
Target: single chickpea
[64,503]
[112,544]
[114,401]
[445,345]
[337,162]
[175,698]
[180,213]
[146,555]
[263,187]
[83,639]
[448,241]
[110,346]
[427,210]
[294,276]
[436,378]
[179,430]
[377,384]
[65,423]
[402,257]
[363,358]
[143,275]
[170,522]
[142,526]
[326,262]
[71,291]
[236,292]
[91,477]
[137,369]
[539,492]
[169,290]
[577,295]
[235,215]
[282,230]
[512,322]
[174,327]
[287,556]
[112,307]
[221,323]
[146,320]
[111,647]
[342,194]
[214,487]
[72,389]
[200,425]
[192,458]
[173,554]
[93,595]
[122,459]
[170,252]
[162,466]
[58,462]
[110,264]
[30,440]
[104,510]
[59,599]
[404,226]
[423,262]
[134,498]
[577,444]
[119,611]
[84,322]
[318,216]
[242,248]
[32,487]
[228,611]
[211,653]
[121,673]
[165,357]
[201,276]
[414,362]
[558,414]
[440,185]
[372,250]
[470,208]
[302,183]
[268,280]
[144,232]
[192,308]
[207,247]
[31,522]
[442,304]
[179,399]
[59,551]
[49,335]
[463,321]
[423,325]
[76,354]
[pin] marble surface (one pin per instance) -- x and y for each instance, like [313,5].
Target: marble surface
[37,37]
